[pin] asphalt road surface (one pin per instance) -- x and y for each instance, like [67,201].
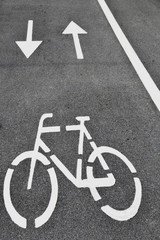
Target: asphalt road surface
[102,85]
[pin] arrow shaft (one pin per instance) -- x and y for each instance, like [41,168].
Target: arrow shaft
[78,46]
[29,31]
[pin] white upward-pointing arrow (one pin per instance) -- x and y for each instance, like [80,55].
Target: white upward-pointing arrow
[75,30]
[28,47]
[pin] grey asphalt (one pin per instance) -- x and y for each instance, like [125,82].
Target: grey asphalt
[103,86]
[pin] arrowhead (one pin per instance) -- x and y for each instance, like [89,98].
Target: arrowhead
[28,47]
[73,28]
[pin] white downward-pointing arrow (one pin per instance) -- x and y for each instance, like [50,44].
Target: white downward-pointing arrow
[75,30]
[28,47]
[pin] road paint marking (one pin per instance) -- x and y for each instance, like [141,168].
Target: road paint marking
[15,216]
[28,47]
[124,215]
[75,30]
[79,181]
[133,57]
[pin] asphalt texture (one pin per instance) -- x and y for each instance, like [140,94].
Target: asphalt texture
[105,87]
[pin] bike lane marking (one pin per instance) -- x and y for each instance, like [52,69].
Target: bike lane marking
[75,30]
[89,79]
[132,55]
[29,46]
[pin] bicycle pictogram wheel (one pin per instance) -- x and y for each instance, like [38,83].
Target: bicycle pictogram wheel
[119,215]
[15,216]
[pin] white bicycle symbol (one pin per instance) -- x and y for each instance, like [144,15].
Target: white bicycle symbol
[90,182]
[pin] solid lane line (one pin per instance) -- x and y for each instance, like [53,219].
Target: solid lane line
[133,57]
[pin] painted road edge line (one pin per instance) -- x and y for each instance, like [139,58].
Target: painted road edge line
[133,57]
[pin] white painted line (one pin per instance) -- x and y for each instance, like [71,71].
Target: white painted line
[52,202]
[124,215]
[28,47]
[15,216]
[75,30]
[29,31]
[133,57]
